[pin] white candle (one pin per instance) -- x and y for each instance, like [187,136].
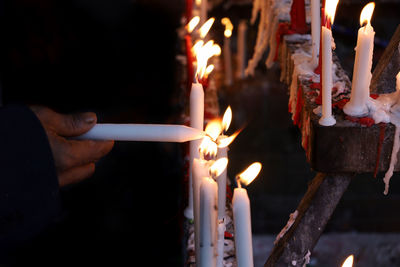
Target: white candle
[242,217]
[315,31]
[221,181]
[241,50]
[143,132]
[208,220]
[242,223]
[200,170]
[220,243]
[326,73]
[357,106]
[197,122]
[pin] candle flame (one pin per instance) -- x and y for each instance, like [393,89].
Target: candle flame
[348,262]
[198,2]
[250,173]
[330,9]
[228,27]
[208,148]
[224,142]
[218,167]
[203,53]
[227,118]
[214,129]
[193,23]
[209,69]
[205,28]
[366,13]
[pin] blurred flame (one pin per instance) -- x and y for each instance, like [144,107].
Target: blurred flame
[224,142]
[330,9]
[366,13]
[250,173]
[209,69]
[198,2]
[218,167]
[206,27]
[193,23]
[208,148]
[228,27]
[227,118]
[216,50]
[203,53]
[348,262]
[214,129]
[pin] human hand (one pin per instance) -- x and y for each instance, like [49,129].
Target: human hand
[74,159]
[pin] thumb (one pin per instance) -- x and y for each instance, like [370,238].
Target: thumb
[75,124]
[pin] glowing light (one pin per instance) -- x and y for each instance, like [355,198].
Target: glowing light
[366,13]
[250,173]
[348,262]
[228,27]
[209,69]
[226,119]
[205,28]
[224,142]
[218,167]
[208,148]
[193,23]
[330,9]
[214,129]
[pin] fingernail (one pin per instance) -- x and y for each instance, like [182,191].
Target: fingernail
[90,118]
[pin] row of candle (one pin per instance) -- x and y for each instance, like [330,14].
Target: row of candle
[357,106]
[208,158]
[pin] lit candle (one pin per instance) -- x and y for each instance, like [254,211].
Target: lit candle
[241,50]
[348,262]
[242,217]
[202,52]
[315,31]
[357,106]
[326,76]
[143,132]
[227,50]
[188,46]
[209,214]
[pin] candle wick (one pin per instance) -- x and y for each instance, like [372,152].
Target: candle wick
[238,181]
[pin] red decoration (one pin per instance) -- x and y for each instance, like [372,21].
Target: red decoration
[283,29]
[189,8]
[298,17]
[189,63]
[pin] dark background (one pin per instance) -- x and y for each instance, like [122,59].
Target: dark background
[117,58]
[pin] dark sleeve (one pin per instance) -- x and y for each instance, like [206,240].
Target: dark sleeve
[29,191]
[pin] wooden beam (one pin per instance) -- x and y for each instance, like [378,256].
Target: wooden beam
[313,213]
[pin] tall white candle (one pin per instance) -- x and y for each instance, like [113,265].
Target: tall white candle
[315,31]
[242,217]
[326,73]
[208,220]
[196,121]
[242,223]
[200,170]
[357,106]
[143,132]
[241,50]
